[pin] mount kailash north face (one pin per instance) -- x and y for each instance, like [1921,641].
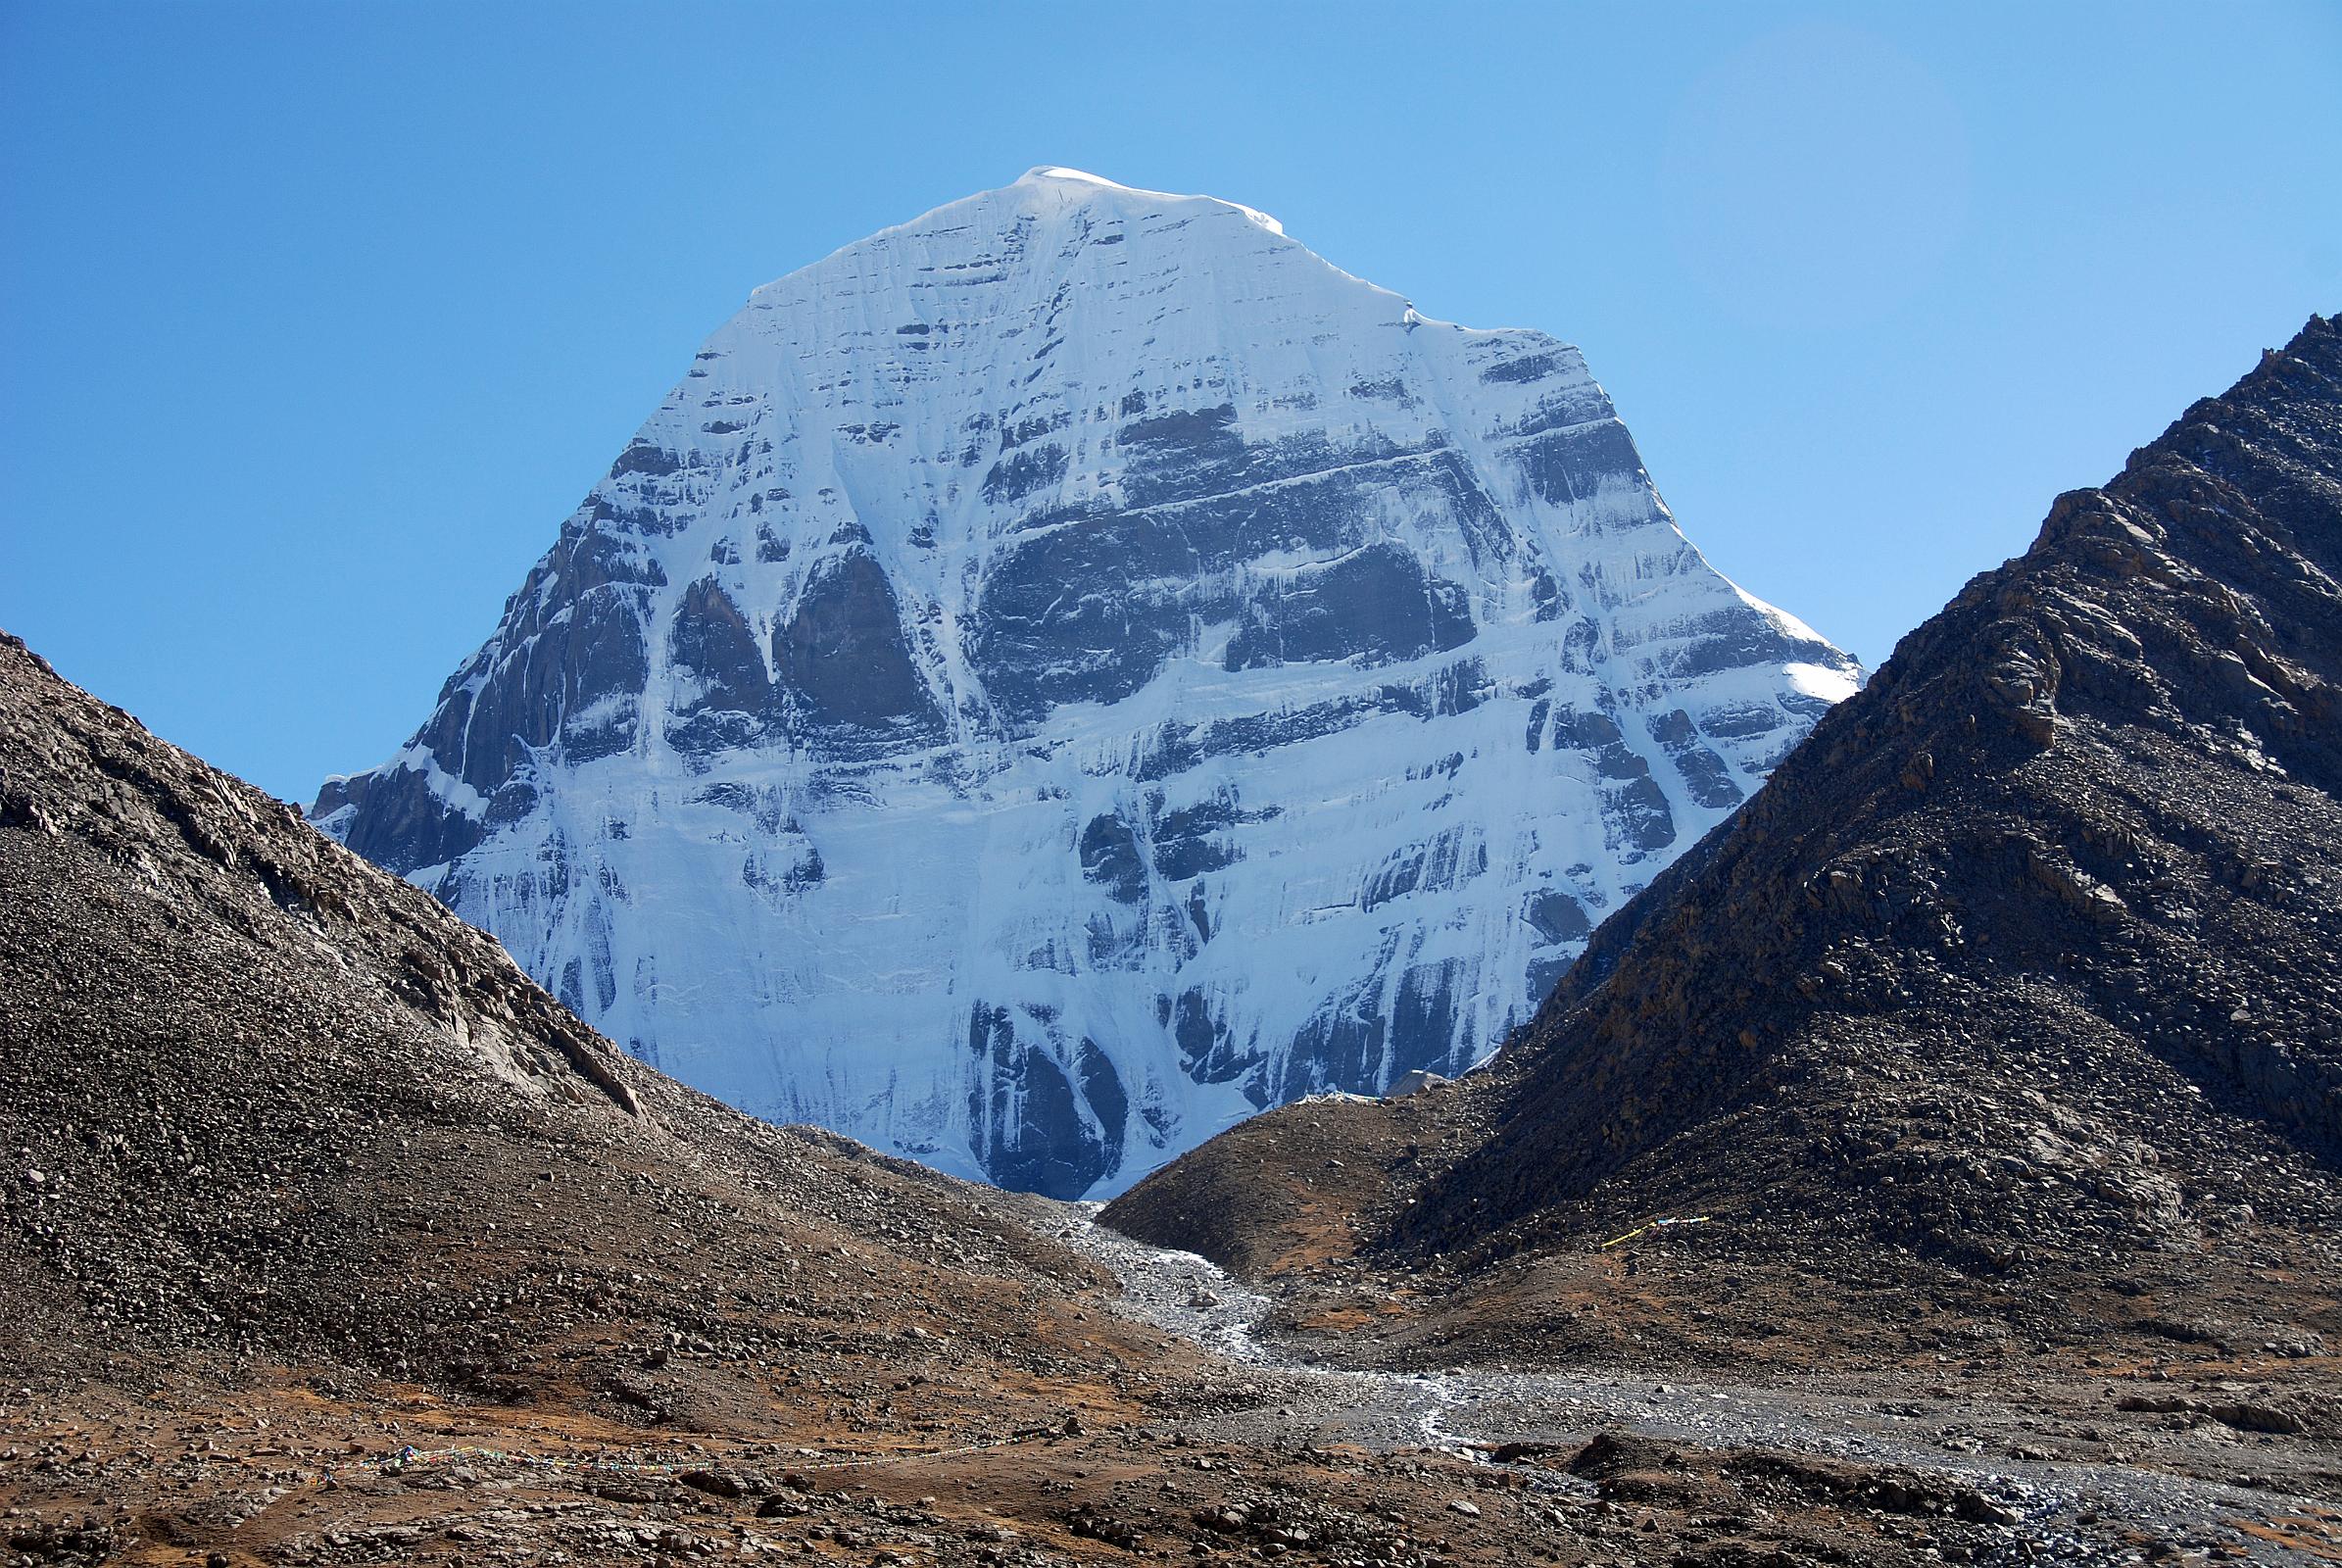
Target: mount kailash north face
[1061,674]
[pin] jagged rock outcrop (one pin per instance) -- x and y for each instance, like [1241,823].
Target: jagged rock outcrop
[1066,672]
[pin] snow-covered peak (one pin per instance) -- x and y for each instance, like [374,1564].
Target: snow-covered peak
[1050,194]
[1075,184]
[1064,671]
[1081,176]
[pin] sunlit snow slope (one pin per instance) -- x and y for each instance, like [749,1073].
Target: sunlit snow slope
[1074,669]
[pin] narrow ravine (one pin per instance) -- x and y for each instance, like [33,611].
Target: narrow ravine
[1468,1412]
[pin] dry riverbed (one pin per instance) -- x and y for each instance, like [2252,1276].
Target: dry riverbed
[2032,1475]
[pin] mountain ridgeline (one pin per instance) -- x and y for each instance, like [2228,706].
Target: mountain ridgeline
[1062,674]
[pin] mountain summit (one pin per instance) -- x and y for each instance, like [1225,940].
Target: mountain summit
[1069,671]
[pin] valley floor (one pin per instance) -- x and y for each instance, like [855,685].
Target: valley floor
[2060,1468]
[1222,1437]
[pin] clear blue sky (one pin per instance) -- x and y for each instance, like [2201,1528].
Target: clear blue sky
[319,319]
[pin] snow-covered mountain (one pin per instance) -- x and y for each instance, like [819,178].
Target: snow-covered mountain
[1061,674]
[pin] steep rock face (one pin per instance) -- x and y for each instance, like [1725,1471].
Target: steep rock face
[2031,956]
[1064,673]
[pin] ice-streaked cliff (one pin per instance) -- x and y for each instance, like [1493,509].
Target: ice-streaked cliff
[1062,673]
